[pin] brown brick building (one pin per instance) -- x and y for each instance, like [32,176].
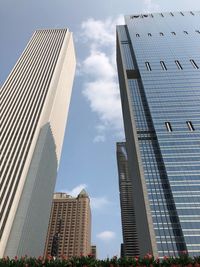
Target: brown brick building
[69,231]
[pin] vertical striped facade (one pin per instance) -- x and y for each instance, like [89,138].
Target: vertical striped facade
[34,104]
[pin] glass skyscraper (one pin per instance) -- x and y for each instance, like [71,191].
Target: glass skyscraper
[158,58]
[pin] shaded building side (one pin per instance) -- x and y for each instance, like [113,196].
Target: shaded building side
[130,239]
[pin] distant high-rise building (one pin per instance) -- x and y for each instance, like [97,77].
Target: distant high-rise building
[94,251]
[122,255]
[34,103]
[69,232]
[159,74]
[130,246]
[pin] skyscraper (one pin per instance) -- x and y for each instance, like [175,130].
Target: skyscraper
[34,106]
[70,220]
[158,64]
[130,239]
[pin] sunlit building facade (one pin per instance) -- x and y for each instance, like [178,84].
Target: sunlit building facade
[34,106]
[159,74]
[70,221]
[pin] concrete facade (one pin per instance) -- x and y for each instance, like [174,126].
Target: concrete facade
[35,100]
[71,220]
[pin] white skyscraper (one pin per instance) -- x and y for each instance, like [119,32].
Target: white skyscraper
[34,102]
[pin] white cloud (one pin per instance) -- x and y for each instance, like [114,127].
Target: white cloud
[99,202]
[76,190]
[101,87]
[150,6]
[100,128]
[98,65]
[99,139]
[101,32]
[105,101]
[106,235]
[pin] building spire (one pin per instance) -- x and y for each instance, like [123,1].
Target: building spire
[83,193]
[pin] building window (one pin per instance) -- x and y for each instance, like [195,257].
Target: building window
[148,66]
[194,64]
[182,13]
[173,33]
[137,35]
[125,42]
[162,63]
[161,34]
[168,126]
[178,65]
[190,126]
[149,34]
[185,32]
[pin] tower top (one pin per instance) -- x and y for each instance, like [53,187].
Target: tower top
[83,193]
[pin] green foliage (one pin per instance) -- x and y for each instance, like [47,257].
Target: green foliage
[89,261]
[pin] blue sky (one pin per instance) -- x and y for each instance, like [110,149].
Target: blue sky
[95,121]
